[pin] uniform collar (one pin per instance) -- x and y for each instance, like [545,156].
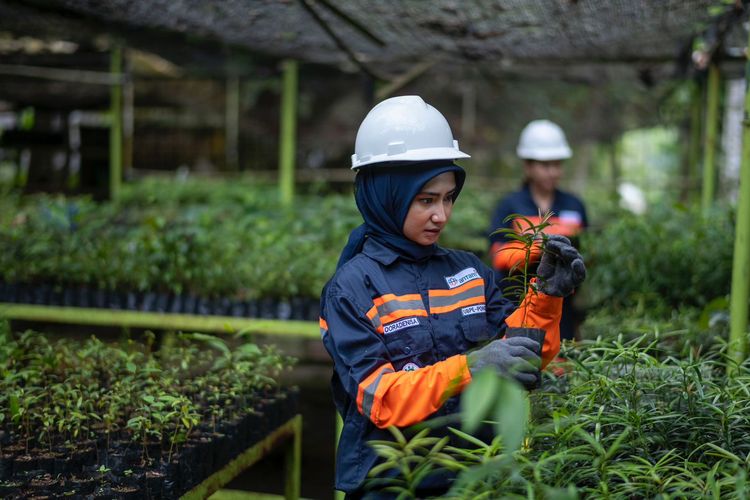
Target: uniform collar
[387,256]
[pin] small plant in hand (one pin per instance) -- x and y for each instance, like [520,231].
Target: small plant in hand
[529,238]
[115,411]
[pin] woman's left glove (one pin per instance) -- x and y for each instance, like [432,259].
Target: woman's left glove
[561,268]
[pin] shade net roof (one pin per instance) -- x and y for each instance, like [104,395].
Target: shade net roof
[388,38]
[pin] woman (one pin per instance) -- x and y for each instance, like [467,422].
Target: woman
[404,319]
[543,148]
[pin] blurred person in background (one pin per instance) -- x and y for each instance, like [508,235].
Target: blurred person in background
[409,323]
[542,147]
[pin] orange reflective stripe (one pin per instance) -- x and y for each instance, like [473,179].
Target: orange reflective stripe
[323,326]
[543,311]
[459,289]
[468,294]
[368,387]
[402,313]
[389,307]
[388,297]
[404,398]
[462,303]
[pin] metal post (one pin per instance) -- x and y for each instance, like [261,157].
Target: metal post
[709,139]
[738,306]
[288,131]
[128,120]
[338,495]
[115,126]
[232,123]
[694,147]
[293,462]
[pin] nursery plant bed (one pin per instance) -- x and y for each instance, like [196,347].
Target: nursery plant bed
[300,308]
[169,321]
[246,442]
[289,434]
[93,420]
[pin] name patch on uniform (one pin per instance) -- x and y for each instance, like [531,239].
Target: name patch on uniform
[462,277]
[570,217]
[400,325]
[477,309]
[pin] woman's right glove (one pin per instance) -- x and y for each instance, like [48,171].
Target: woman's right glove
[561,269]
[515,357]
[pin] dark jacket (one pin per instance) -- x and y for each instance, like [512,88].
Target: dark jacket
[397,332]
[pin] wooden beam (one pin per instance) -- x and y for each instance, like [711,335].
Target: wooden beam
[59,74]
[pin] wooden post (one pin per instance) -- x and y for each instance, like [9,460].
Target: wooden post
[288,131]
[738,306]
[709,138]
[232,123]
[115,125]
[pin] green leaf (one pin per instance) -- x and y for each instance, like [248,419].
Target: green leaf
[15,407]
[511,413]
[478,399]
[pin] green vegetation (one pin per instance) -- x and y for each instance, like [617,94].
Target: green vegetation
[654,416]
[182,237]
[671,257]
[71,407]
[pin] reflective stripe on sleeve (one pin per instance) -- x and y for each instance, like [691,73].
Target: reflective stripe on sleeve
[404,398]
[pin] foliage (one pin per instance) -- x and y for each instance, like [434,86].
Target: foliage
[525,235]
[183,237]
[52,393]
[669,258]
[653,416]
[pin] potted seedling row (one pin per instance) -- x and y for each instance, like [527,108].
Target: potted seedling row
[101,420]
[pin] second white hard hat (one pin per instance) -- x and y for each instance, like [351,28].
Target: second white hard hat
[543,140]
[404,128]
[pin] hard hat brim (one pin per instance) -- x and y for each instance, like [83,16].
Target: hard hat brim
[547,154]
[425,154]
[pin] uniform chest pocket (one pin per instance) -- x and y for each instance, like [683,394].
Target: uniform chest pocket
[413,347]
[475,328]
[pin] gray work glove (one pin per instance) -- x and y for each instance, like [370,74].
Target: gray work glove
[515,357]
[561,268]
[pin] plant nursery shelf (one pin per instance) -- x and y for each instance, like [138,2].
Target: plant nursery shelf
[289,433]
[165,321]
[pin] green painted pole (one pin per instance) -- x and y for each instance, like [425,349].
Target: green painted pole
[232,123]
[293,462]
[709,138]
[115,126]
[161,321]
[738,305]
[694,147]
[291,429]
[338,495]
[288,131]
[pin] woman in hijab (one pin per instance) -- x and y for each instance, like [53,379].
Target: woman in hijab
[407,322]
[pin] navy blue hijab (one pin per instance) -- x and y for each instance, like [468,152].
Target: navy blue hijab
[384,194]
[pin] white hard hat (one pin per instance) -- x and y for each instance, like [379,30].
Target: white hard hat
[404,128]
[543,140]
